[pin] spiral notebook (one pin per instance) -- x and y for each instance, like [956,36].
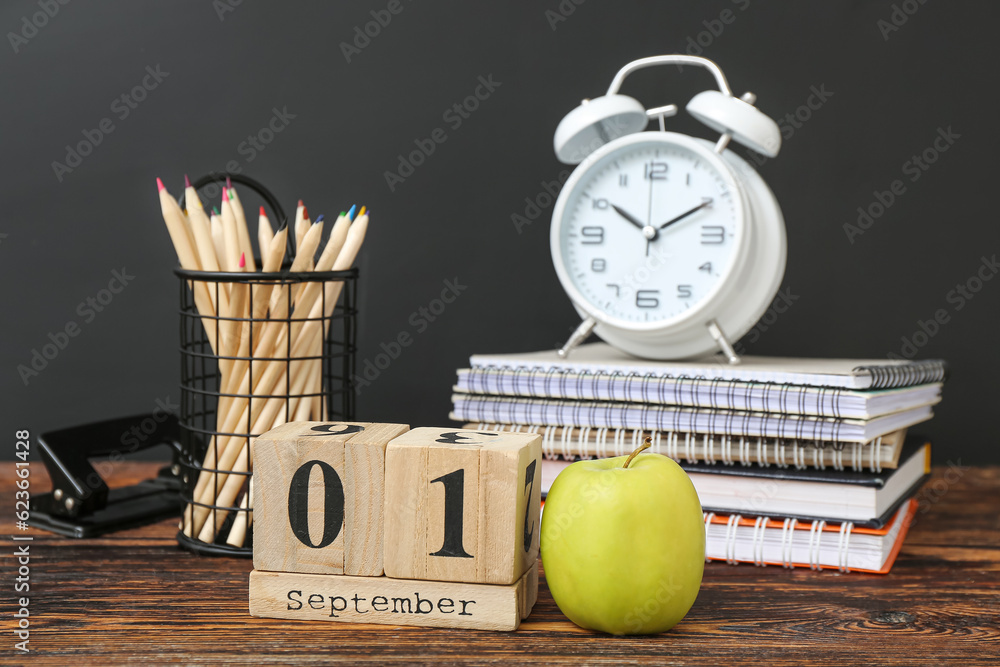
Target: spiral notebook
[864,498]
[814,544]
[504,410]
[570,442]
[541,372]
[715,393]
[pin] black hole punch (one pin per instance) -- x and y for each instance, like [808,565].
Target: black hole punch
[80,504]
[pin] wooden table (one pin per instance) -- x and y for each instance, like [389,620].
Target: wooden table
[134,597]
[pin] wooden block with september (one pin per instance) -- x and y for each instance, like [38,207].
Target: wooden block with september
[442,604]
[318,497]
[462,505]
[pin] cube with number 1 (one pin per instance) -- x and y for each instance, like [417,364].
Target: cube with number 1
[462,505]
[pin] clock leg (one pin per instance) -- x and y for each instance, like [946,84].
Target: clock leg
[727,348]
[578,336]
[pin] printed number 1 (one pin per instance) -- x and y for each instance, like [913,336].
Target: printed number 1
[454,515]
[454,512]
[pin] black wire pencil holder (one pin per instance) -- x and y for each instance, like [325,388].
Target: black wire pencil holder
[279,381]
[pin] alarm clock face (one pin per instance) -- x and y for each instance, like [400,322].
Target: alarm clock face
[647,229]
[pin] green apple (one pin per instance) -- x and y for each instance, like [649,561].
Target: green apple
[623,543]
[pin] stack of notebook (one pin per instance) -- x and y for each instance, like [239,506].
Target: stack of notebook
[796,461]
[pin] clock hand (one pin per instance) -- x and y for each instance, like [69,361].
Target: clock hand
[706,202]
[648,231]
[628,216]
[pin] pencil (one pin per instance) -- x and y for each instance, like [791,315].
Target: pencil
[238,533]
[264,232]
[177,227]
[202,228]
[231,234]
[218,239]
[301,223]
[243,232]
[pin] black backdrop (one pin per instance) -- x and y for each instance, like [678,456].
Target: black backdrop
[894,76]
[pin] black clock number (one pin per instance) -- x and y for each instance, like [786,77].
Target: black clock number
[647,298]
[655,171]
[706,267]
[616,288]
[598,265]
[592,235]
[623,180]
[600,204]
[713,234]
[683,291]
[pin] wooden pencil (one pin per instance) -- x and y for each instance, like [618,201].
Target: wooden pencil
[178,228]
[219,239]
[231,233]
[264,232]
[243,232]
[202,228]
[301,225]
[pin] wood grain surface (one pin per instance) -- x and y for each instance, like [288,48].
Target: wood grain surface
[135,597]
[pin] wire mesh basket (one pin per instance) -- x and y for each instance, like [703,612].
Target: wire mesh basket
[244,375]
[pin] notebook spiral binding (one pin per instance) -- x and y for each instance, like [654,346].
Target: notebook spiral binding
[904,375]
[594,414]
[559,441]
[789,529]
[660,389]
[490,379]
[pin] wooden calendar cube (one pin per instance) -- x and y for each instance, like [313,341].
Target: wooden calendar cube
[462,505]
[318,497]
[325,597]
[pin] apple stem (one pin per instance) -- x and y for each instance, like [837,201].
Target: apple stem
[646,444]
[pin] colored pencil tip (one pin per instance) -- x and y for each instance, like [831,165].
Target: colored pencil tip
[319,218]
[159,185]
[263,212]
[225,195]
[350,213]
[305,213]
[342,214]
[215,210]
[229,183]
[187,181]
[301,204]
[243,259]
[362,211]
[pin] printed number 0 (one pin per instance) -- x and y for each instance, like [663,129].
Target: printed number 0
[333,504]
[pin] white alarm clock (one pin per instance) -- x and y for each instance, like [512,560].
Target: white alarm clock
[669,246]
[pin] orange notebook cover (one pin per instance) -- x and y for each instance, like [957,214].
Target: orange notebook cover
[813,544]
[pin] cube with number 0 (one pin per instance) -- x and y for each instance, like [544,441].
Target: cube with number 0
[462,505]
[318,497]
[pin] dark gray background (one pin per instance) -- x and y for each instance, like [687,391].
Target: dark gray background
[452,218]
